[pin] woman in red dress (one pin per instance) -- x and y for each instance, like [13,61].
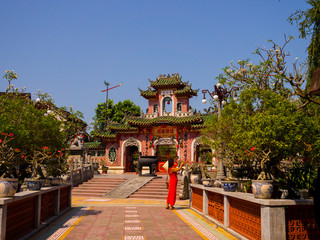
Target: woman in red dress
[171,199]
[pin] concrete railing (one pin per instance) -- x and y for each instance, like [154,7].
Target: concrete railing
[247,217]
[27,212]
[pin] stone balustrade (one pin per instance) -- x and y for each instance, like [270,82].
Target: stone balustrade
[151,115]
[82,174]
[27,212]
[247,217]
[184,114]
[167,114]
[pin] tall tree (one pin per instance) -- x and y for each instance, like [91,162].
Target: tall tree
[32,127]
[270,121]
[308,23]
[270,73]
[99,118]
[117,113]
[264,123]
[71,121]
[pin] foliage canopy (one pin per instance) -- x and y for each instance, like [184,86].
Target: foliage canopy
[270,123]
[30,134]
[308,23]
[117,113]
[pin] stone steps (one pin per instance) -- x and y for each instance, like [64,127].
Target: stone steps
[89,185]
[148,196]
[155,189]
[96,187]
[103,182]
[153,192]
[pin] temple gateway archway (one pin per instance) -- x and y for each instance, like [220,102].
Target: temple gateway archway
[169,125]
[131,149]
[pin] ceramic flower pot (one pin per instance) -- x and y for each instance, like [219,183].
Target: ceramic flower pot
[33,184]
[8,187]
[304,193]
[207,182]
[229,186]
[194,178]
[262,189]
[55,181]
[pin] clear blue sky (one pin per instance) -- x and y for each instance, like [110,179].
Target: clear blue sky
[68,48]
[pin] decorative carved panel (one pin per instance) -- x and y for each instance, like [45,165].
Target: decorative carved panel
[165,141]
[131,142]
[245,218]
[112,154]
[216,206]
[197,199]
[301,223]
[164,131]
[166,93]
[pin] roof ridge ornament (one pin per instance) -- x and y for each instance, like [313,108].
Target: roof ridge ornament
[175,75]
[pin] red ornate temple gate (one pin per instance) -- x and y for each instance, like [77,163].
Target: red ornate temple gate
[169,128]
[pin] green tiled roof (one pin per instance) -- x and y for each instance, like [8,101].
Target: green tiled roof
[122,128]
[143,122]
[166,82]
[148,94]
[197,126]
[106,135]
[187,91]
[94,145]
[173,82]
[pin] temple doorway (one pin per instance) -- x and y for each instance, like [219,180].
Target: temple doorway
[164,152]
[204,154]
[132,156]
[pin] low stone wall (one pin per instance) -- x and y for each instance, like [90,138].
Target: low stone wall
[27,212]
[247,217]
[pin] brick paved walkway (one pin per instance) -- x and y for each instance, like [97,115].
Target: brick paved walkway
[127,219]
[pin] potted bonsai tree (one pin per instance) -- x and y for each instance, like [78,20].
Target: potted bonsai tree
[55,167]
[195,171]
[104,169]
[299,174]
[35,159]
[10,159]
[208,176]
[240,169]
[263,186]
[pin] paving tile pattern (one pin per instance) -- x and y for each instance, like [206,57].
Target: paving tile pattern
[155,222]
[119,219]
